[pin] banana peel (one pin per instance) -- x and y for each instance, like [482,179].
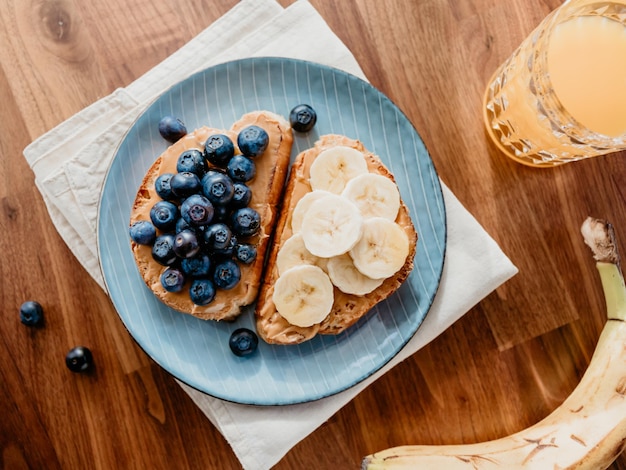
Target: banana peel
[587,431]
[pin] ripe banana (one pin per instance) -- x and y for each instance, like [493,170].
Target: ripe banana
[303,295]
[375,195]
[334,167]
[588,431]
[347,278]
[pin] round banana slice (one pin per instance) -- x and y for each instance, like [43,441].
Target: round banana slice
[294,253]
[375,195]
[303,295]
[334,167]
[332,226]
[382,249]
[297,216]
[347,278]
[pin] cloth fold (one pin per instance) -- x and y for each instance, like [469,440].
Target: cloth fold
[71,160]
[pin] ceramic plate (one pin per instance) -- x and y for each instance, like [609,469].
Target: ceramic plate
[195,351]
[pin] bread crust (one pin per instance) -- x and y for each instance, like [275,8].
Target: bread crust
[347,309]
[267,188]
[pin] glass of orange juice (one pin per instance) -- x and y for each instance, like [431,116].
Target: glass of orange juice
[561,96]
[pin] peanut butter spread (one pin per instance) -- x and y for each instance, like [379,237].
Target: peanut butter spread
[267,185]
[347,309]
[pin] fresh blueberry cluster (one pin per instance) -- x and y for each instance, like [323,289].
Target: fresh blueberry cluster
[201,227]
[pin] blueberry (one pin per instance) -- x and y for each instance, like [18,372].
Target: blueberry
[163,249]
[302,118]
[218,187]
[142,232]
[227,274]
[218,149]
[245,222]
[242,196]
[196,266]
[79,359]
[245,253]
[172,280]
[182,224]
[185,184]
[163,215]
[201,291]
[163,188]
[186,244]
[192,161]
[227,252]
[243,342]
[197,210]
[217,236]
[171,128]
[241,168]
[252,141]
[31,313]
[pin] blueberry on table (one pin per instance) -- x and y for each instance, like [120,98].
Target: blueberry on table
[227,274]
[196,266]
[79,359]
[218,187]
[193,161]
[142,232]
[219,149]
[241,168]
[245,253]
[245,222]
[217,236]
[243,342]
[163,188]
[242,195]
[172,280]
[163,215]
[171,128]
[31,313]
[186,244]
[252,141]
[197,210]
[201,291]
[227,252]
[302,118]
[185,184]
[163,250]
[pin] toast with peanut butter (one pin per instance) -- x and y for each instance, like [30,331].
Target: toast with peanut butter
[220,246]
[343,243]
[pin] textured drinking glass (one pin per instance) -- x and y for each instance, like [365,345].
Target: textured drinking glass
[561,96]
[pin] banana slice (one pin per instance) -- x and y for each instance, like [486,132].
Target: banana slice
[375,195]
[303,295]
[332,226]
[294,253]
[382,249]
[347,278]
[334,167]
[297,216]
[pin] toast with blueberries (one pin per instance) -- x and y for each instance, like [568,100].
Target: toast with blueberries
[343,243]
[204,213]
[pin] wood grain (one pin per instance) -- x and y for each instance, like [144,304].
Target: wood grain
[506,364]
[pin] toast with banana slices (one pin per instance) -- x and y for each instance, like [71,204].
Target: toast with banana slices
[344,242]
[199,267]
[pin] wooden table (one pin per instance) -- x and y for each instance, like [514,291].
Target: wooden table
[506,364]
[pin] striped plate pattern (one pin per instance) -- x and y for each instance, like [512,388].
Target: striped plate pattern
[195,351]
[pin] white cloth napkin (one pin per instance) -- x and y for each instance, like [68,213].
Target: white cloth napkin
[70,163]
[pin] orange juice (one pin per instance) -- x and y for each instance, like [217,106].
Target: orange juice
[561,96]
[587,66]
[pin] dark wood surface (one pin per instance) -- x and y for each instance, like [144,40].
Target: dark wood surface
[506,364]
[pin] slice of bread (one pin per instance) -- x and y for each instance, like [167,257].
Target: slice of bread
[347,309]
[267,188]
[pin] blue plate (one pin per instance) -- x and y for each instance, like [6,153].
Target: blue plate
[197,352]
